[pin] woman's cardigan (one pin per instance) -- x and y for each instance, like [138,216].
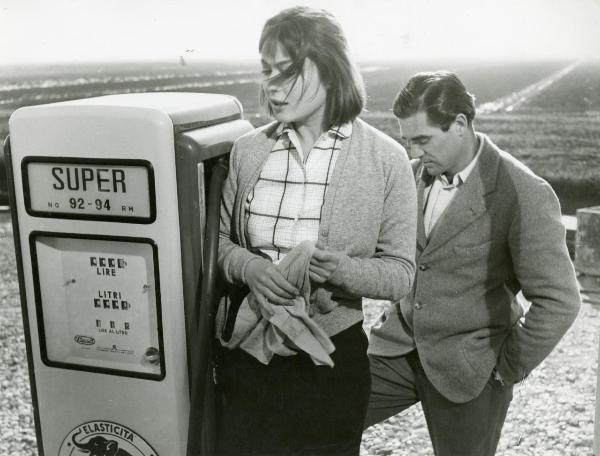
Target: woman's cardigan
[369,216]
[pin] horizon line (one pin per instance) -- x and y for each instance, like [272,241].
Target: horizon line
[249,61]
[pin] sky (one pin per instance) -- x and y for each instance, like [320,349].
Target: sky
[73,31]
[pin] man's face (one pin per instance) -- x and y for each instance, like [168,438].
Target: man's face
[441,152]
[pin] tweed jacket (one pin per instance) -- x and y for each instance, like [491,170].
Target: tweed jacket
[369,215]
[501,233]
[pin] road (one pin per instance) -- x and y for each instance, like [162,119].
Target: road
[513,101]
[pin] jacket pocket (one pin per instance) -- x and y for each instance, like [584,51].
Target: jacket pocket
[470,250]
[479,354]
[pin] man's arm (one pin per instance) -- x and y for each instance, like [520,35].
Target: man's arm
[542,266]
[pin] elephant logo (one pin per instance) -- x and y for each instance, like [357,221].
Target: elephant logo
[104,438]
[100,446]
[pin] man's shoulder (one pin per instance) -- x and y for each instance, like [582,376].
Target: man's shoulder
[517,184]
[512,168]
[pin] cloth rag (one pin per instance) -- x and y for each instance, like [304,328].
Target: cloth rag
[289,328]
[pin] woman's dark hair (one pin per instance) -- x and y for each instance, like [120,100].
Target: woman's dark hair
[307,33]
[440,94]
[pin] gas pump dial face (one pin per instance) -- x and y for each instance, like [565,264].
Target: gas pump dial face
[98,304]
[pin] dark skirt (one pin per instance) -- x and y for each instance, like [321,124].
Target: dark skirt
[291,406]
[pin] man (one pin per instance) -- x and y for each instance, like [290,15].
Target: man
[487,228]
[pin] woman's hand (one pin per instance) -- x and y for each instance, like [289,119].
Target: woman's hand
[268,284]
[322,265]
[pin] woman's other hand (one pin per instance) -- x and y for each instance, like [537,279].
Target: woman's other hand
[268,284]
[322,265]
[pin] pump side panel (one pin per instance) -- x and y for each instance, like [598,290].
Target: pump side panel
[150,412]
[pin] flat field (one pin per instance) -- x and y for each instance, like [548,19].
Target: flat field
[563,148]
[556,131]
[578,91]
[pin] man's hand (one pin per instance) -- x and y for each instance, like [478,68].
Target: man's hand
[268,284]
[322,265]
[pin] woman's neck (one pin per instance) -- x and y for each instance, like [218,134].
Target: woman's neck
[309,132]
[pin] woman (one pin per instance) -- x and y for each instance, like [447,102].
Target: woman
[319,174]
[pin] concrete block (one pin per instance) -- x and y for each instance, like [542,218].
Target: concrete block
[587,241]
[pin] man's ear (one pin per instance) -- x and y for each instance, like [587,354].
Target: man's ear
[461,123]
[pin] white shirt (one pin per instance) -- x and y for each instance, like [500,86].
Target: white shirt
[284,207]
[440,193]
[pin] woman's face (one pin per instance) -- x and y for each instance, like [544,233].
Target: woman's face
[299,103]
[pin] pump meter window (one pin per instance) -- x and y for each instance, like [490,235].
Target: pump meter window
[98,304]
[89,189]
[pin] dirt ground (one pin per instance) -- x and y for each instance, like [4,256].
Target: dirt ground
[552,413]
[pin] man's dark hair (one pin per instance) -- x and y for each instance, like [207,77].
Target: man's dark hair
[440,94]
[316,34]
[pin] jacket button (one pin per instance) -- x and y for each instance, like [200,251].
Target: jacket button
[418,305]
[325,232]
[423,267]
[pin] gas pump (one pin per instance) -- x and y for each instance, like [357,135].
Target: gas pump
[115,242]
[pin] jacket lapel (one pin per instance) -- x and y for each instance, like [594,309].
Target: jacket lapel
[469,203]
